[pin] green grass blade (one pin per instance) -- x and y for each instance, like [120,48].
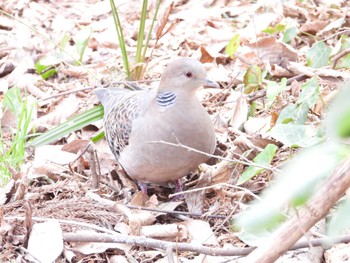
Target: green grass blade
[141,33]
[150,31]
[121,39]
[71,125]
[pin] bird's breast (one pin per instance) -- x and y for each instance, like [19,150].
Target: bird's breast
[158,149]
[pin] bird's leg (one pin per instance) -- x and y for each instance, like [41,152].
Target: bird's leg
[178,186]
[143,187]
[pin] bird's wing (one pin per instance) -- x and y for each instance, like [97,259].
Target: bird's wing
[121,108]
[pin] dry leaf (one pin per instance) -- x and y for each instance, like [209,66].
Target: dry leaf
[88,248]
[257,126]
[205,56]
[240,112]
[6,192]
[269,49]
[46,241]
[313,27]
[118,259]
[200,232]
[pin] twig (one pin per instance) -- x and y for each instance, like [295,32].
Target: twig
[130,84]
[154,243]
[167,245]
[315,209]
[180,145]
[173,212]
[67,222]
[33,258]
[339,56]
[213,186]
[94,167]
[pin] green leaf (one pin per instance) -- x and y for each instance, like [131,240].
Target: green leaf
[295,113]
[318,55]
[69,126]
[340,220]
[253,239]
[233,45]
[293,135]
[290,34]
[12,100]
[338,117]
[343,127]
[310,92]
[277,29]
[122,43]
[273,88]
[252,79]
[262,159]
[81,40]
[98,137]
[46,66]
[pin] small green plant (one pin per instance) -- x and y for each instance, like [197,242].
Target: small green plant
[96,113]
[47,66]
[142,44]
[12,148]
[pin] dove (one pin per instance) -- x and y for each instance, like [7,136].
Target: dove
[139,124]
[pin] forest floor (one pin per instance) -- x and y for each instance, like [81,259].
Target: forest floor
[283,45]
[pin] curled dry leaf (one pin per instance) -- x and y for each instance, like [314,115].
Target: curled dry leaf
[160,30]
[205,56]
[240,113]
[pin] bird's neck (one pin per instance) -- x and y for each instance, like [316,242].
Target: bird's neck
[166,98]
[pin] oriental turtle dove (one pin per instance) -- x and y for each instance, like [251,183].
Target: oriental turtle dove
[134,120]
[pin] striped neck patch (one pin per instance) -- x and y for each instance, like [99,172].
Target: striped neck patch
[166,99]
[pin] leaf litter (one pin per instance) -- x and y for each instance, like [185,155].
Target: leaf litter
[55,181]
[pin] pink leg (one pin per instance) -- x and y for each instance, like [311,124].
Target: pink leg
[143,188]
[178,186]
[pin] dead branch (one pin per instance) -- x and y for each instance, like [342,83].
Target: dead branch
[109,236]
[166,245]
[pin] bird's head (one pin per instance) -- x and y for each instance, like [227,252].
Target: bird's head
[185,75]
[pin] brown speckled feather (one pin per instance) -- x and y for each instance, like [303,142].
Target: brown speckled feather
[121,108]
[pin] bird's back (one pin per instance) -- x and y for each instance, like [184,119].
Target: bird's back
[121,108]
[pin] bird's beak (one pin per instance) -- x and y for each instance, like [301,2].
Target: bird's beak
[210,83]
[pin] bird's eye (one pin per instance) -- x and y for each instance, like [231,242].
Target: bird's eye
[188,74]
